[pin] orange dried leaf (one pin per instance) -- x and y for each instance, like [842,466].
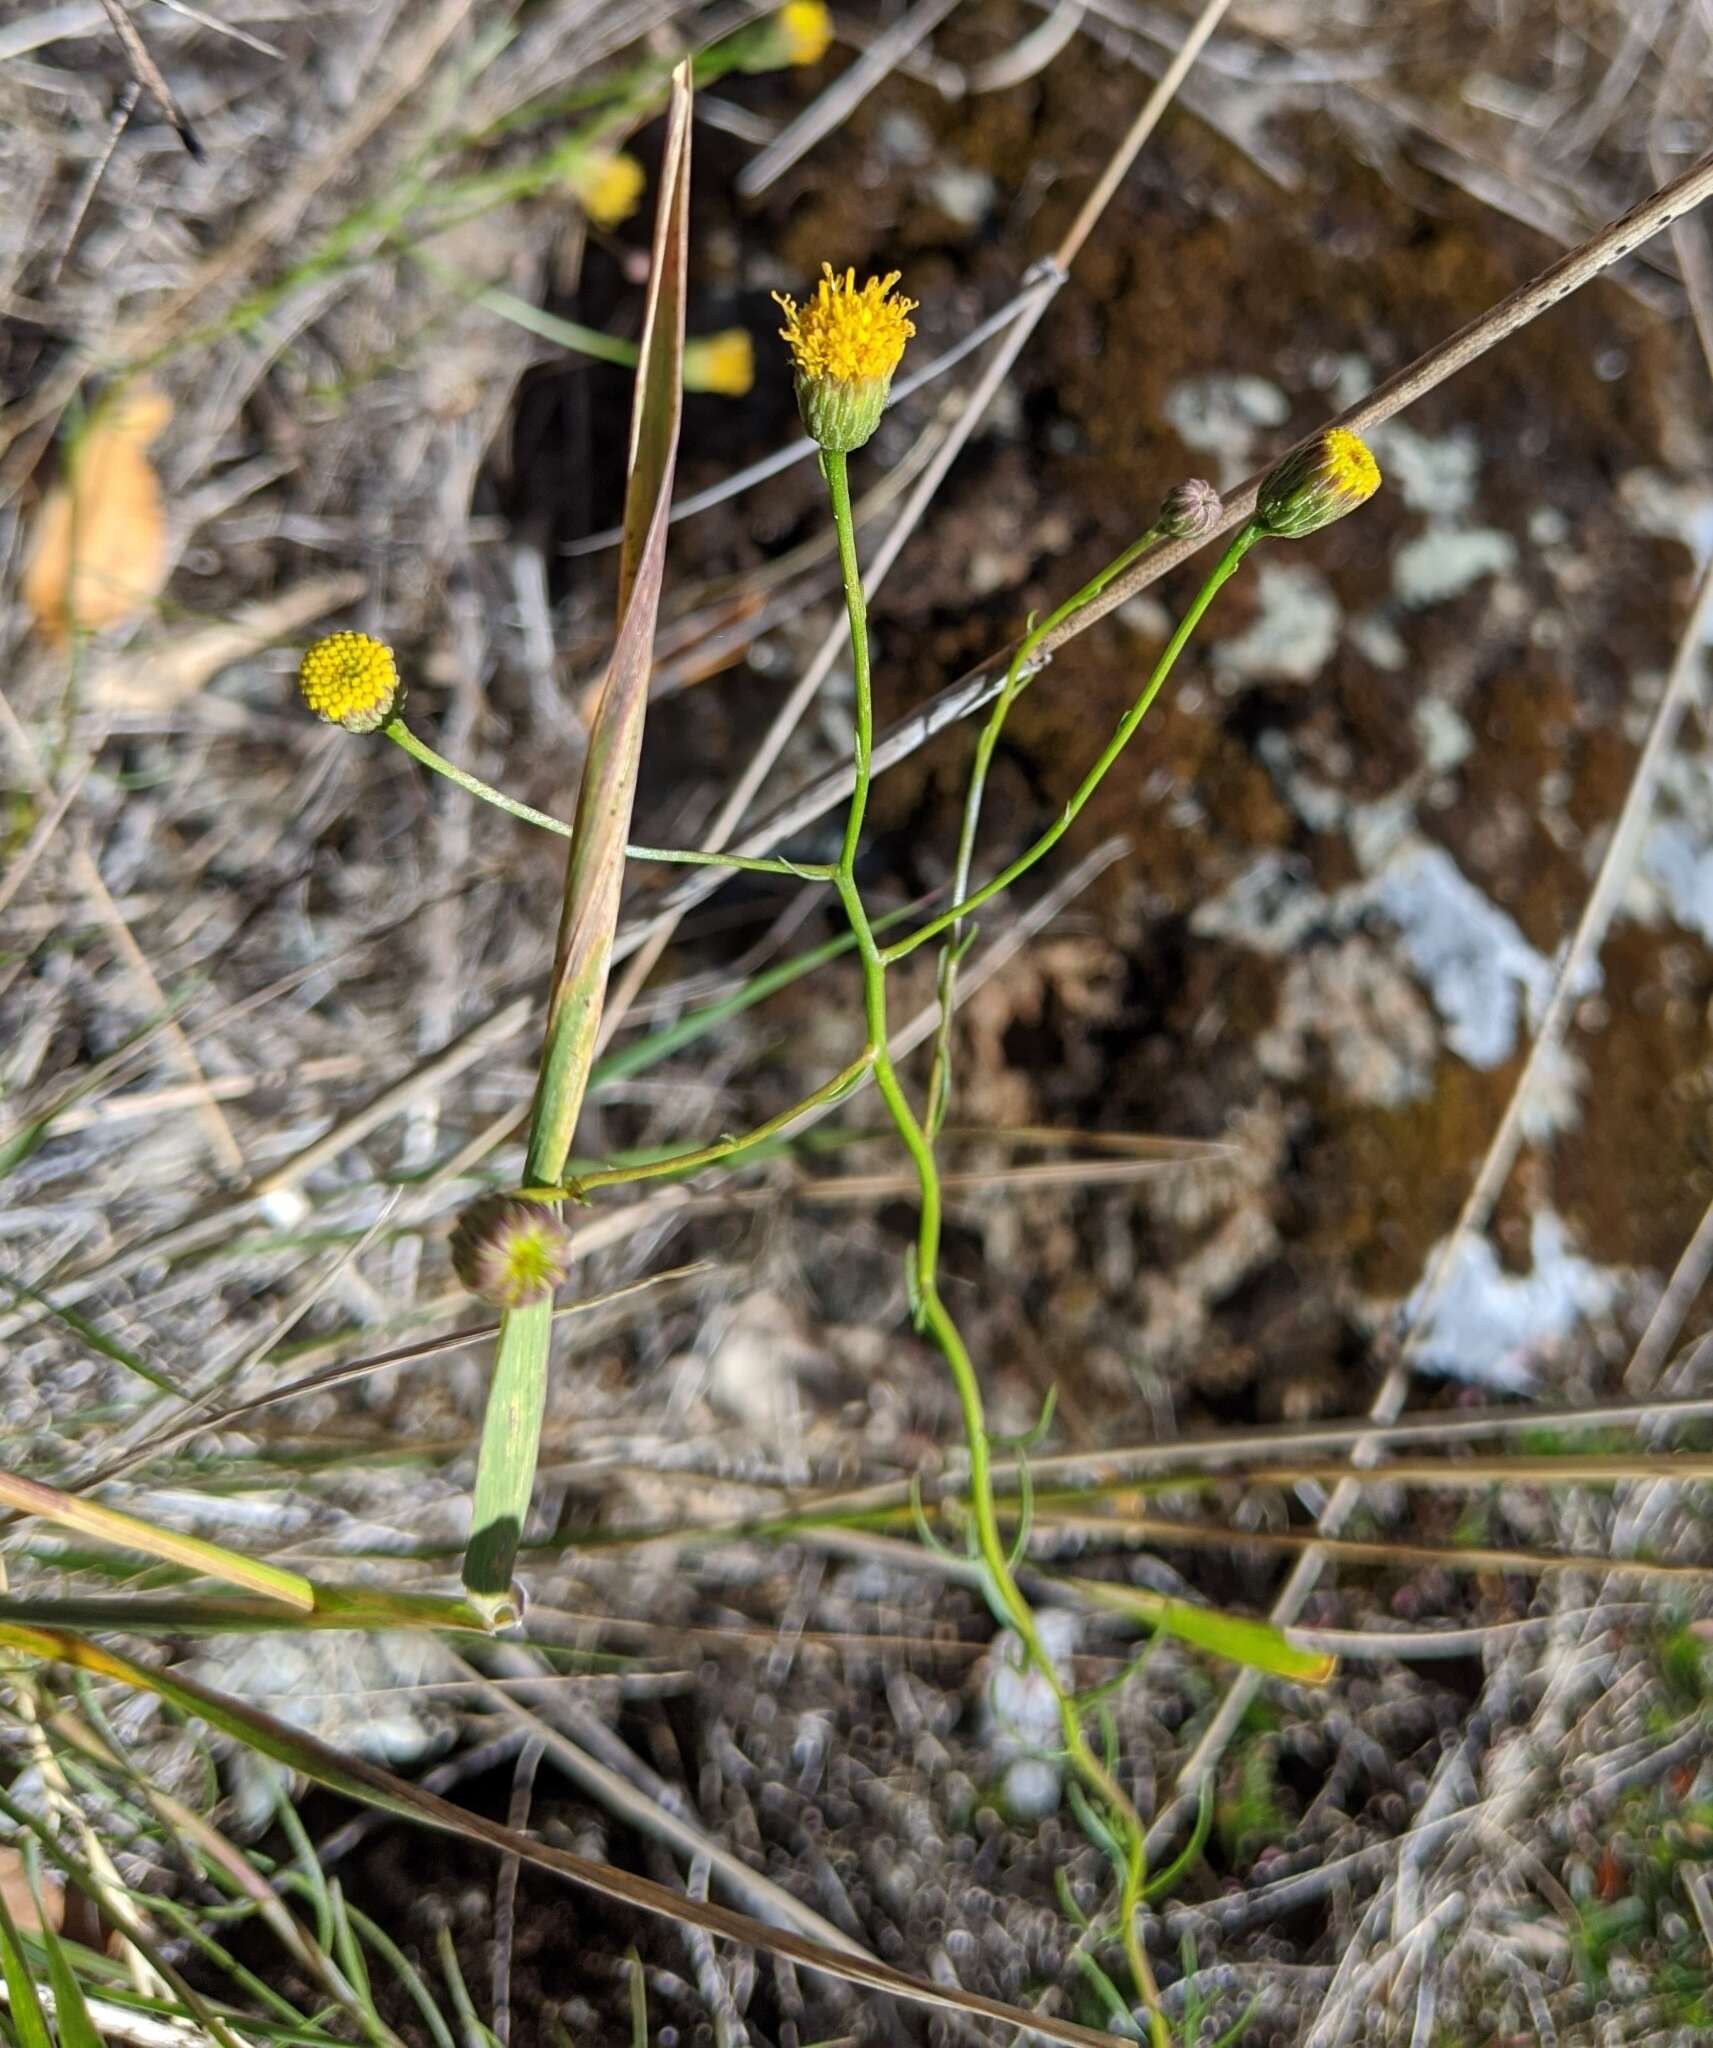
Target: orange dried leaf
[20,1899]
[98,553]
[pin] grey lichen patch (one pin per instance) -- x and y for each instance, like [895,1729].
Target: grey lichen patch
[1294,632]
[1433,474]
[1676,867]
[1447,560]
[1475,963]
[1494,1327]
[1351,1008]
[1226,417]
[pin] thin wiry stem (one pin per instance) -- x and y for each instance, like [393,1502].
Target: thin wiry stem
[1010,1604]
[1017,680]
[401,735]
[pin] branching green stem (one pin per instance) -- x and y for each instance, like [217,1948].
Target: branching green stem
[1120,1819]
[1018,677]
[1113,1816]
[1226,567]
[706,1155]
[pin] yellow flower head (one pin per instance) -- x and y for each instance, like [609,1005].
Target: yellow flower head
[845,344]
[1317,483]
[723,362]
[805,31]
[608,184]
[350,680]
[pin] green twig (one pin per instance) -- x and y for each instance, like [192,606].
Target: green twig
[1226,567]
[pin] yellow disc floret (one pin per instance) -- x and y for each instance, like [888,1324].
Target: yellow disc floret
[805,29]
[845,333]
[845,344]
[350,680]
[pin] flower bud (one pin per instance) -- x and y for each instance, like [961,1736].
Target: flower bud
[1316,484]
[350,680]
[845,345]
[1190,510]
[510,1252]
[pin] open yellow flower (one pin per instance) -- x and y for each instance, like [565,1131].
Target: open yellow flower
[800,32]
[350,680]
[845,344]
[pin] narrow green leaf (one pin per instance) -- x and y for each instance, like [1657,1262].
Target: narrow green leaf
[511,1441]
[1235,1636]
[212,1560]
[71,2015]
[595,867]
[29,2022]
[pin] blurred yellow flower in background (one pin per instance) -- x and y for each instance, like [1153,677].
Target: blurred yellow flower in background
[608,185]
[723,362]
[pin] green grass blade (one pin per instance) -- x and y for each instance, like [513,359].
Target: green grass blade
[212,1560]
[29,2022]
[1236,1637]
[505,1469]
[595,868]
[71,2015]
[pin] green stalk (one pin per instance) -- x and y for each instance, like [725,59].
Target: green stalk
[1017,679]
[401,735]
[704,1155]
[1007,1598]
[1226,567]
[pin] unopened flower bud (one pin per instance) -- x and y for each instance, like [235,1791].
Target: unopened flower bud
[350,680]
[1190,510]
[510,1252]
[845,345]
[1316,484]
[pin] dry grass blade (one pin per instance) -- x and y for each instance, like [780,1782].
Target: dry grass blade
[372,1786]
[595,865]
[149,74]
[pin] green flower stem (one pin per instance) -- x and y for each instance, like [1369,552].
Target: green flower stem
[419,750]
[705,1155]
[397,731]
[1226,567]
[1005,1595]
[1017,679]
[835,469]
